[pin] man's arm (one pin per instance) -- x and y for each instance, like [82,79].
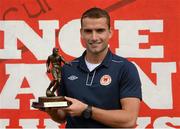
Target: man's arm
[119,118]
[125,117]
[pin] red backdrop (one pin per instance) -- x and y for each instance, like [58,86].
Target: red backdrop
[145,31]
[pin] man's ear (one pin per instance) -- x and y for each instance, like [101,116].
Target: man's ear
[81,30]
[111,31]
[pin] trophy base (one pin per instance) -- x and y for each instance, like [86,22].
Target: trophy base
[48,102]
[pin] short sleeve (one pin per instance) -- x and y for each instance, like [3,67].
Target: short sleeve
[130,84]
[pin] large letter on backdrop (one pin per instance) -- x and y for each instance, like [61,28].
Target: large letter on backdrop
[34,74]
[163,99]
[69,37]
[131,28]
[40,47]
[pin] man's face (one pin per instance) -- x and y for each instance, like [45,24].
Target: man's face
[96,34]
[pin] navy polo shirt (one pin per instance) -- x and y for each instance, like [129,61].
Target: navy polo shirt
[115,78]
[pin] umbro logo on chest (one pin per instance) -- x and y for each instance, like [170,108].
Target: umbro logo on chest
[72,77]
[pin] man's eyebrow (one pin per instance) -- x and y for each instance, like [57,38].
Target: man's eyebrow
[86,29]
[100,29]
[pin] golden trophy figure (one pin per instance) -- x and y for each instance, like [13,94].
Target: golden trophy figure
[51,100]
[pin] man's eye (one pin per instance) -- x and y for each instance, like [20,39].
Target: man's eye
[100,30]
[87,31]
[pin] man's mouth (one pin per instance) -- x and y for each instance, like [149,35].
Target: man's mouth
[93,43]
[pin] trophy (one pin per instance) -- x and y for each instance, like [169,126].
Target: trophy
[51,100]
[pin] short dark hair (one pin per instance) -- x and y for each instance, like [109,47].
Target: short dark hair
[96,13]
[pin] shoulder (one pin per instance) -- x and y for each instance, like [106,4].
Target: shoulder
[72,64]
[123,62]
[75,61]
[116,59]
[69,69]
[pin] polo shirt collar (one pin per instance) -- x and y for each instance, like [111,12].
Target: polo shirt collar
[106,62]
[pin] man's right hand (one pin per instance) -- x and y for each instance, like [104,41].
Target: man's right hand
[56,114]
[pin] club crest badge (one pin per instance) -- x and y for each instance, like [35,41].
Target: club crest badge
[105,80]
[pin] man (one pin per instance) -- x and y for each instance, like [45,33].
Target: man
[105,89]
[55,60]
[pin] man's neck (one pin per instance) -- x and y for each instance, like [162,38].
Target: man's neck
[96,58]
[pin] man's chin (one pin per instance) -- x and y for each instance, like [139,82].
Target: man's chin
[95,52]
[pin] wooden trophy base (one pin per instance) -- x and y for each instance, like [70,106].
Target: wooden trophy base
[47,102]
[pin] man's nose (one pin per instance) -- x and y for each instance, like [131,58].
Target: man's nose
[94,36]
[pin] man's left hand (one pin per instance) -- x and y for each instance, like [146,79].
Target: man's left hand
[76,108]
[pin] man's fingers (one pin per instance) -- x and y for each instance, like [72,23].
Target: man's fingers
[50,110]
[69,98]
[67,109]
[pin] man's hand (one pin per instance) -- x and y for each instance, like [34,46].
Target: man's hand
[57,114]
[76,108]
